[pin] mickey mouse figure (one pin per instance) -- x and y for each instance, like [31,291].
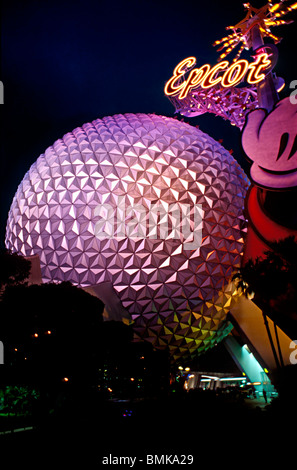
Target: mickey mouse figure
[269,140]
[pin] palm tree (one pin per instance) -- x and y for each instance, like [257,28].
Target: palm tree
[272,282]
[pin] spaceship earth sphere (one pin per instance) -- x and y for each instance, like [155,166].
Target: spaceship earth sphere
[114,201]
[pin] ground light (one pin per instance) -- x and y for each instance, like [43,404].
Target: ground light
[248,364]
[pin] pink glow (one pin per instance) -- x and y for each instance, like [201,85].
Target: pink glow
[173,295]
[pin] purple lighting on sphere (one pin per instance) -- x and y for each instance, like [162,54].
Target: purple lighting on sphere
[176,297]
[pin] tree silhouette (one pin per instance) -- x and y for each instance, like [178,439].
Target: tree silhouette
[52,334]
[272,282]
[57,344]
[14,269]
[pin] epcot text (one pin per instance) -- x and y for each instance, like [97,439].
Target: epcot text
[158,221]
[207,76]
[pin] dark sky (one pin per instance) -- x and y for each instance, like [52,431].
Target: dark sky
[64,63]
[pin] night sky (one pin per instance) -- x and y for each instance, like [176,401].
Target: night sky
[64,63]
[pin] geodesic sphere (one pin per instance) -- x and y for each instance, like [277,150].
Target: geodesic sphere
[85,207]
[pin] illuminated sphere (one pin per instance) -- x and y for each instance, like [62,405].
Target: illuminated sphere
[176,297]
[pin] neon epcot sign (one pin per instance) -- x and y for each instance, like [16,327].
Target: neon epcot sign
[222,73]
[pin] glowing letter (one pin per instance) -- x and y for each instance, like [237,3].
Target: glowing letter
[235,73]
[194,78]
[208,80]
[261,63]
[170,88]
